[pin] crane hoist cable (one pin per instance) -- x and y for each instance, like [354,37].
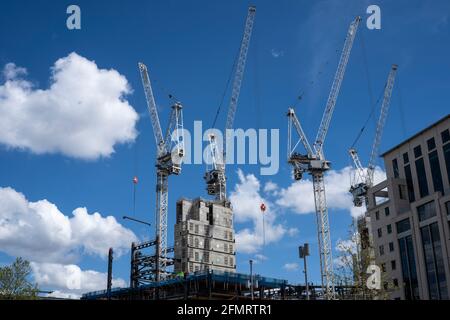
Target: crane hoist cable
[368,118]
[314,80]
[135,173]
[230,76]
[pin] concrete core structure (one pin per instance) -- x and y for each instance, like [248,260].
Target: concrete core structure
[204,236]
[409,216]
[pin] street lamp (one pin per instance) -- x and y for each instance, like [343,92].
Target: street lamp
[303,252]
[251,277]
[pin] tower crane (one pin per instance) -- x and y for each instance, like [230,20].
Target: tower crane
[215,174]
[314,163]
[362,180]
[169,156]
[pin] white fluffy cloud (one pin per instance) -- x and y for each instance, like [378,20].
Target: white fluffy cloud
[38,231]
[83,113]
[69,281]
[290,266]
[299,196]
[246,200]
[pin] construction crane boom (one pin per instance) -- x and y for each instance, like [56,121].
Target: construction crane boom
[215,177]
[381,123]
[339,76]
[362,179]
[240,67]
[293,120]
[170,152]
[315,164]
[151,106]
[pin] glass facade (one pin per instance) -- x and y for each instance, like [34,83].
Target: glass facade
[403,225]
[395,168]
[445,135]
[447,159]
[431,144]
[410,283]
[422,178]
[405,158]
[426,211]
[417,151]
[409,184]
[434,262]
[436,171]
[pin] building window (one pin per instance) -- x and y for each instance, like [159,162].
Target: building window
[190,240]
[402,191]
[391,246]
[422,178]
[196,228]
[196,242]
[445,135]
[196,256]
[389,228]
[405,158]
[395,168]
[191,254]
[403,225]
[381,250]
[197,268]
[446,149]
[191,267]
[409,183]
[225,260]
[383,267]
[408,263]
[431,144]
[426,211]
[395,282]
[377,215]
[393,265]
[434,262]
[231,261]
[386,211]
[380,233]
[191,226]
[436,171]
[417,151]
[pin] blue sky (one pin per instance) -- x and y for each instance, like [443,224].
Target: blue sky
[189,47]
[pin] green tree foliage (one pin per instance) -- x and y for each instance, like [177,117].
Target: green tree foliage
[14,281]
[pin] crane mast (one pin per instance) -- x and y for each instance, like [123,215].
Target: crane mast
[315,164]
[170,152]
[215,177]
[362,180]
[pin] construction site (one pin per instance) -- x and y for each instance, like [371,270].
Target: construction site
[198,261]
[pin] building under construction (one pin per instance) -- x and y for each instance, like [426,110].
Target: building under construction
[204,236]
